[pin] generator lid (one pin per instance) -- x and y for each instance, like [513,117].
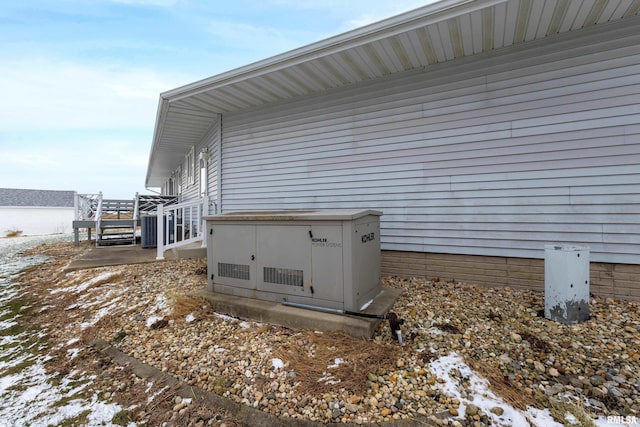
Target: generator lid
[295,215]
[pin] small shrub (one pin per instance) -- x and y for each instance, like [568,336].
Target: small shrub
[14,232]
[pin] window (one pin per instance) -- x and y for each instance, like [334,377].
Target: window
[179,180]
[203,177]
[191,166]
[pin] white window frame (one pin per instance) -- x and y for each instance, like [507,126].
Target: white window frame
[191,166]
[203,177]
[178,181]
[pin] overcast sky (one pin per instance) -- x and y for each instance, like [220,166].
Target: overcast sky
[80,79]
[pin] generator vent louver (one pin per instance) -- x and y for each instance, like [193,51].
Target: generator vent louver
[233,271]
[284,276]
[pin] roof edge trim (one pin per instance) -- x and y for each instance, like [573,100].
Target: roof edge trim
[438,11]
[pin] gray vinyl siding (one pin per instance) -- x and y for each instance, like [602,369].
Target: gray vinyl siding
[210,142]
[495,155]
[213,147]
[189,189]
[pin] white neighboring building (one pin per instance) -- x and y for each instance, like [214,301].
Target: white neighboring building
[483,130]
[36,212]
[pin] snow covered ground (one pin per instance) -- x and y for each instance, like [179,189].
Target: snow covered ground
[452,368]
[29,395]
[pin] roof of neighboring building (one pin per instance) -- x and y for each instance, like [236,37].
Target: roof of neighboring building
[39,198]
[415,40]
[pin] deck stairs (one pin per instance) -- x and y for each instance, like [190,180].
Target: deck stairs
[116,222]
[119,221]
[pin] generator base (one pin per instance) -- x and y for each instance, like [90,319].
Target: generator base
[256,310]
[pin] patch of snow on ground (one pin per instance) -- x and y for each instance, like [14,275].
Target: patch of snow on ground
[33,397]
[72,341]
[245,325]
[337,361]
[151,320]
[328,379]
[160,304]
[99,314]
[570,419]
[277,363]
[541,418]
[225,317]
[38,403]
[156,394]
[72,353]
[84,285]
[190,318]
[482,397]
[6,324]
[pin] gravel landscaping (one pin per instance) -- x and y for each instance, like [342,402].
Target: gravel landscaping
[470,355]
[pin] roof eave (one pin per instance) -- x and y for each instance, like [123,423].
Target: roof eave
[438,11]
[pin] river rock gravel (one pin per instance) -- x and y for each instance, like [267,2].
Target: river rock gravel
[575,372]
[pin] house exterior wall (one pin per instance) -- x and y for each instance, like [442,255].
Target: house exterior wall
[493,155]
[36,220]
[213,169]
[189,179]
[606,279]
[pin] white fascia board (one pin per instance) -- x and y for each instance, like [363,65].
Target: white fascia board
[161,115]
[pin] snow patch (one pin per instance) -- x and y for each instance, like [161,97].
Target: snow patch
[277,363]
[160,304]
[337,361]
[72,341]
[190,318]
[452,369]
[156,394]
[72,353]
[225,317]
[151,320]
[570,419]
[328,379]
[84,285]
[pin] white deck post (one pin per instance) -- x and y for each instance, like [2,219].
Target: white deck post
[160,234]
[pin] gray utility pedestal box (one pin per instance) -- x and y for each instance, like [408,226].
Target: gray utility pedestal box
[329,259]
[566,283]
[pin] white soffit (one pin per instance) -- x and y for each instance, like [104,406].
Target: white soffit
[417,39]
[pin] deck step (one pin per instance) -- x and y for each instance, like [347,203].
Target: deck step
[116,239]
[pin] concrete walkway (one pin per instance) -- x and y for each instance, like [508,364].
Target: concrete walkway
[122,255]
[115,255]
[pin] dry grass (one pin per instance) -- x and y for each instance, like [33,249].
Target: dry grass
[560,409]
[503,387]
[183,304]
[13,233]
[313,355]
